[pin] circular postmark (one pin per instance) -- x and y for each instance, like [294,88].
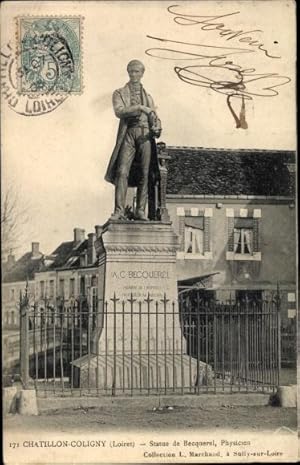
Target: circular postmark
[49,55]
[26,105]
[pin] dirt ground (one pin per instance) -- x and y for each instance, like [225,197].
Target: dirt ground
[124,417]
[145,415]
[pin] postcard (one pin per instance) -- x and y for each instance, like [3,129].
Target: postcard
[148,220]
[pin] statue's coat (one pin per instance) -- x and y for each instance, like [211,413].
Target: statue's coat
[121,101]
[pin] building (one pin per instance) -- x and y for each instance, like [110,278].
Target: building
[234,212]
[71,270]
[18,275]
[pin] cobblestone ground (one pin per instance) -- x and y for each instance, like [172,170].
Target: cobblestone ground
[125,417]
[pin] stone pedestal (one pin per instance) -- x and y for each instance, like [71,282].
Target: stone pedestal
[28,402]
[138,342]
[139,289]
[287,396]
[9,395]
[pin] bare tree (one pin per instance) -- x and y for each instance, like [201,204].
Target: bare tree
[14,215]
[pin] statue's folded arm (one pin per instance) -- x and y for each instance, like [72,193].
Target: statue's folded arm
[121,111]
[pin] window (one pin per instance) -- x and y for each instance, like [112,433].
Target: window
[243,234]
[42,289]
[243,240]
[193,240]
[72,287]
[194,230]
[12,294]
[82,286]
[251,298]
[94,300]
[51,288]
[253,295]
[61,288]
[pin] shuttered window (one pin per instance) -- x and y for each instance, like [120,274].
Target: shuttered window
[243,235]
[194,233]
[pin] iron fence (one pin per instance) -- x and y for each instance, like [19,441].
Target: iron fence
[288,344]
[151,346]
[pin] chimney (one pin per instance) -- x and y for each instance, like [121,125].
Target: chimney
[78,235]
[35,252]
[91,251]
[83,259]
[98,230]
[10,260]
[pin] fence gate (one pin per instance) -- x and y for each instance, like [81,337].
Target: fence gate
[87,347]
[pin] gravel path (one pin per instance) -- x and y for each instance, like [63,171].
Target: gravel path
[124,417]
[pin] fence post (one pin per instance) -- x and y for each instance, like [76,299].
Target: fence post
[278,316]
[24,340]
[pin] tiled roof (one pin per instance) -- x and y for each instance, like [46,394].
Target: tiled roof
[23,269]
[67,255]
[193,171]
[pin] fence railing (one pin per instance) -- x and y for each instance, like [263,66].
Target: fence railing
[288,344]
[151,347]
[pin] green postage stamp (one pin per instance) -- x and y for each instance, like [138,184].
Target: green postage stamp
[49,54]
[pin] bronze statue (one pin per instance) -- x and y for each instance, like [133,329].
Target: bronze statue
[134,160]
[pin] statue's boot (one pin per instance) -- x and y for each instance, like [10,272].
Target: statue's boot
[140,215]
[118,215]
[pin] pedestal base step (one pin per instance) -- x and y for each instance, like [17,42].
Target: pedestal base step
[144,372]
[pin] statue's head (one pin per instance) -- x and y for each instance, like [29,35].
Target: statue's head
[135,69]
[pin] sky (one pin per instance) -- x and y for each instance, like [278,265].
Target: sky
[57,160]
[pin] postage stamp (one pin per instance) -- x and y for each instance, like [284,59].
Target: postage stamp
[49,54]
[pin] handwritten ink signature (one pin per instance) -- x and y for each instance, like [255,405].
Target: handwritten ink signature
[208,24]
[216,71]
